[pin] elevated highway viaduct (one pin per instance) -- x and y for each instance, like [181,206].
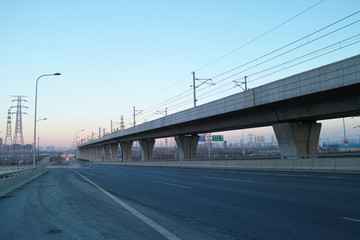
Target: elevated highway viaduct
[292,106]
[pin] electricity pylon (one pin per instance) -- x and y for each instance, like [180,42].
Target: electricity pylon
[7,146]
[18,141]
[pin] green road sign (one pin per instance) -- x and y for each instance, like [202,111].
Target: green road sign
[218,138]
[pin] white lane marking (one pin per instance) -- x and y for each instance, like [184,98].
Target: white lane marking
[148,221]
[351,219]
[301,175]
[292,175]
[172,184]
[333,177]
[229,179]
[156,172]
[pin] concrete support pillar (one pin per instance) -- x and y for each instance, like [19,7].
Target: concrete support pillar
[77,153]
[102,154]
[297,138]
[106,149]
[86,154]
[80,153]
[147,147]
[187,146]
[95,154]
[98,154]
[92,155]
[126,150]
[113,151]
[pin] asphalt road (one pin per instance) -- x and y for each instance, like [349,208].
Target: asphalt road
[173,203]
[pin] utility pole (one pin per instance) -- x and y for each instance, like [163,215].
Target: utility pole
[243,142]
[203,81]
[346,142]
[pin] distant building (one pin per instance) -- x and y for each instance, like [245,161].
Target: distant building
[49,148]
[28,147]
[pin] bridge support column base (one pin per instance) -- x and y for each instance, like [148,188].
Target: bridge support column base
[297,138]
[113,152]
[126,150]
[147,147]
[187,146]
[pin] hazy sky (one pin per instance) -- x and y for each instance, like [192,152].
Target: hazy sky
[114,55]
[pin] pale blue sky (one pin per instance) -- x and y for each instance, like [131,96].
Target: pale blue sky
[114,55]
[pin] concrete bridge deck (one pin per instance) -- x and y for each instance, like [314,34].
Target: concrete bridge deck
[291,105]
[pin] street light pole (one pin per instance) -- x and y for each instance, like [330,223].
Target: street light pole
[43,119]
[76,136]
[45,75]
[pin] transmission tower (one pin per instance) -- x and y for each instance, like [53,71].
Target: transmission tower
[18,141]
[7,147]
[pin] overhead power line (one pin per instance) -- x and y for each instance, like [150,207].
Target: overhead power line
[292,43]
[283,53]
[303,59]
[184,98]
[238,48]
[336,47]
[182,95]
[258,37]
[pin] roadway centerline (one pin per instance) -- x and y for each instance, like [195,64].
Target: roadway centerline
[163,231]
[172,184]
[229,179]
[351,219]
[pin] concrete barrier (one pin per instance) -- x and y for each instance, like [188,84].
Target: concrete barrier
[74,165]
[324,164]
[11,183]
[6,169]
[302,164]
[315,164]
[347,164]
